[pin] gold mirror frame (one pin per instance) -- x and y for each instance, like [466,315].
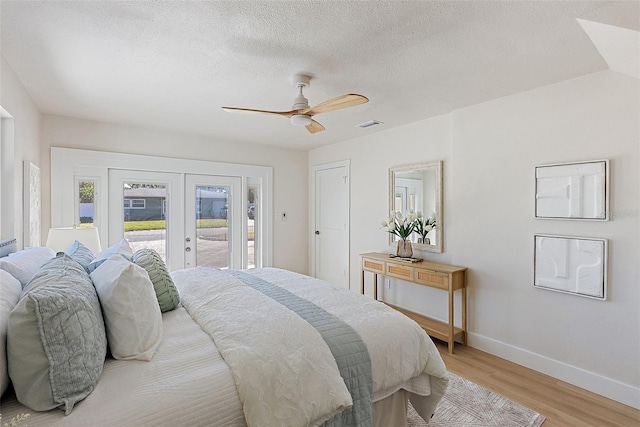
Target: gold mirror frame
[430,175]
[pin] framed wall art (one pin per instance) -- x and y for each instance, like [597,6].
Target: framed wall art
[573,191]
[574,265]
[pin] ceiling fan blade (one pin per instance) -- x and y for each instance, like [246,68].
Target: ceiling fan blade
[251,110]
[314,127]
[344,101]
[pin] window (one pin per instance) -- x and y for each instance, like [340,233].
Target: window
[134,203]
[87,202]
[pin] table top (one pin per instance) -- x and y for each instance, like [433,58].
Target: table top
[448,268]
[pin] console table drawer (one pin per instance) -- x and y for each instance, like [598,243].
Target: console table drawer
[432,278]
[374,266]
[399,271]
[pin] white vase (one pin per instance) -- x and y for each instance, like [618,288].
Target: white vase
[404,249]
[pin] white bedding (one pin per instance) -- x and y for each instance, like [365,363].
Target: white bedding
[188,382]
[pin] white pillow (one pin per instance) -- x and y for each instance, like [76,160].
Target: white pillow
[120,248]
[25,263]
[10,291]
[130,309]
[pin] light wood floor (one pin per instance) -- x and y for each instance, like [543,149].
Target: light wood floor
[562,404]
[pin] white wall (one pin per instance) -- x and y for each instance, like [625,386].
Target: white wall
[15,99]
[489,152]
[289,170]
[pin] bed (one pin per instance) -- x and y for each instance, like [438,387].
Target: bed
[259,347]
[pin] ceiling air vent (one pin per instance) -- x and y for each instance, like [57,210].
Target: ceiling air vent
[369,124]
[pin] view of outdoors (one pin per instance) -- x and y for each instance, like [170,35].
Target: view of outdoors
[86,206]
[145,224]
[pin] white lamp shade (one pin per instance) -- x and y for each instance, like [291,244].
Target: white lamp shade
[60,239]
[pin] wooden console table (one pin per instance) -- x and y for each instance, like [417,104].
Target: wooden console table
[446,277]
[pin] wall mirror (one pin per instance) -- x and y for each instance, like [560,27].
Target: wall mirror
[418,187]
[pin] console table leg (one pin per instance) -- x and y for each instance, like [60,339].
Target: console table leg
[375,286]
[464,316]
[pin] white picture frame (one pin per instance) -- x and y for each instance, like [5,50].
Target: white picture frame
[573,265]
[578,190]
[31,205]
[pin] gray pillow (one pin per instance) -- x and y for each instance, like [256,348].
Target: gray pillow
[56,341]
[166,291]
[81,254]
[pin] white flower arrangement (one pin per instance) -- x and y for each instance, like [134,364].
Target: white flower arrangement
[423,225]
[400,226]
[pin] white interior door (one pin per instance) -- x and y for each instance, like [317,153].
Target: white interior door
[213,221]
[146,209]
[331,223]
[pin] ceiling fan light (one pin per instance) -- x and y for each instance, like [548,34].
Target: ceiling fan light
[300,119]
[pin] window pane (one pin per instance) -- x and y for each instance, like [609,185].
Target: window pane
[145,223]
[86,207]
[252,232]
[138,204]
[212,226]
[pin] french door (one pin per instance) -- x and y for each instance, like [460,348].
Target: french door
[146,209]
[213,221]
[188,219]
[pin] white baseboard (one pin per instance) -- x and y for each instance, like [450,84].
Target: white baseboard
[607,387]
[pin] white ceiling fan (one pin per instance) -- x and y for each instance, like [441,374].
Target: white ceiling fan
[301,114]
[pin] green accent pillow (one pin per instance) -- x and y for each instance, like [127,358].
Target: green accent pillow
[56,341]
[166,291]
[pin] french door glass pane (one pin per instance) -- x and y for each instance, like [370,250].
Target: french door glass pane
[252,232]
[212,226]
[145,224]
[87,205]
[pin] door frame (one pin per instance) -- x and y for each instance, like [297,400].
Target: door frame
[312,214]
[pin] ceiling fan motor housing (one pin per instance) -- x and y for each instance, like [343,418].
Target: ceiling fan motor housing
[300,102]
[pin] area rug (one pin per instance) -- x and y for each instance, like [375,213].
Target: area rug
[468,404]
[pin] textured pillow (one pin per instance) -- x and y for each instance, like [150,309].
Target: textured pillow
[81,254]
[25,263]
[56,342]
[120,248]
[10,290]
[166,292]
[132,316]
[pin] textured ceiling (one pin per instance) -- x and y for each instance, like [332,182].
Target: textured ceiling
[173,65]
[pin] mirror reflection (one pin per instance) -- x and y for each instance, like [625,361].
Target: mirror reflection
[417,188]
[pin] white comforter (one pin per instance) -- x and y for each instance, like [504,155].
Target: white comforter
[284,372]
